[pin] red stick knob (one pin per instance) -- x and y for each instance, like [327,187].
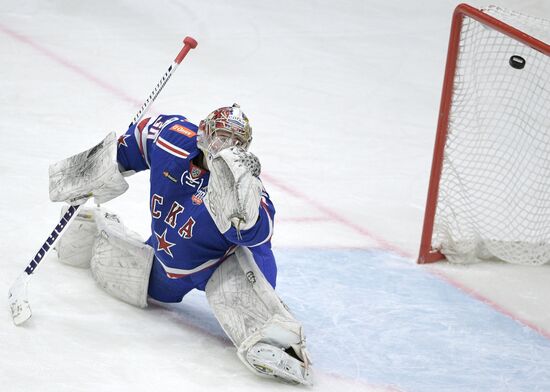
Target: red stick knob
[189,43]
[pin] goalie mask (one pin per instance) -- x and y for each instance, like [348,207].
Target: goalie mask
[223,128]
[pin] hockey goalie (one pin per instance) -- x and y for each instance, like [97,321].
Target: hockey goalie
[211,228]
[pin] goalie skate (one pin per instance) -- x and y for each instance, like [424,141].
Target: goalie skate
[271,361]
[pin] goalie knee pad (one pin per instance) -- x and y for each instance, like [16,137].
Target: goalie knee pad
[121,261]
[75,246]
[269,340]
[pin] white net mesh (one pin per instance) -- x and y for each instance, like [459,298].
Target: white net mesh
[494,196]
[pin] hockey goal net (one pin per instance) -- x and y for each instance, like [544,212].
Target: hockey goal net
[489,192]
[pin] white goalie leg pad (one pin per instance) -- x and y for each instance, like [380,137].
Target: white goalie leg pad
[75,246]
[121,261]
[257,321]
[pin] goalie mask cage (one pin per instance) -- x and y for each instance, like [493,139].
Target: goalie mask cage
[489,191]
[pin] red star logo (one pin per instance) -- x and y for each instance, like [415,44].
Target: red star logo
[163,244]
[122,140]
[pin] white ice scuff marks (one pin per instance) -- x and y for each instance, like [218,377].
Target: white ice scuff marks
[375,317]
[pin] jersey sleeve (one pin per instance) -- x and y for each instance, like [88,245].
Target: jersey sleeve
[132,149]
[136,147]
[261,232]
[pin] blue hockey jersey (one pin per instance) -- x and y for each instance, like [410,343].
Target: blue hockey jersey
[188,245]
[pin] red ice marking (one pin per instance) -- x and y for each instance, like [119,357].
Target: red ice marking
[70,65]
[471,292]
[333,215]
[389,247]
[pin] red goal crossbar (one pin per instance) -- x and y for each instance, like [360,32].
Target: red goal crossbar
[427,254]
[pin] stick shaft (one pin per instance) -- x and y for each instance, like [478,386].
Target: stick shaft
[189,43]
[17,294]
[64,222]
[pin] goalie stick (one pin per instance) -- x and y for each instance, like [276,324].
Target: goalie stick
[17,294]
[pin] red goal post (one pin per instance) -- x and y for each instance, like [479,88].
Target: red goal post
[428,252]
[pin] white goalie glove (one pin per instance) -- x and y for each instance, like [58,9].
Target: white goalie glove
[234,189]
[91,173]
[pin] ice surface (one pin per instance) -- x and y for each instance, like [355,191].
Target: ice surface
[343,97]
